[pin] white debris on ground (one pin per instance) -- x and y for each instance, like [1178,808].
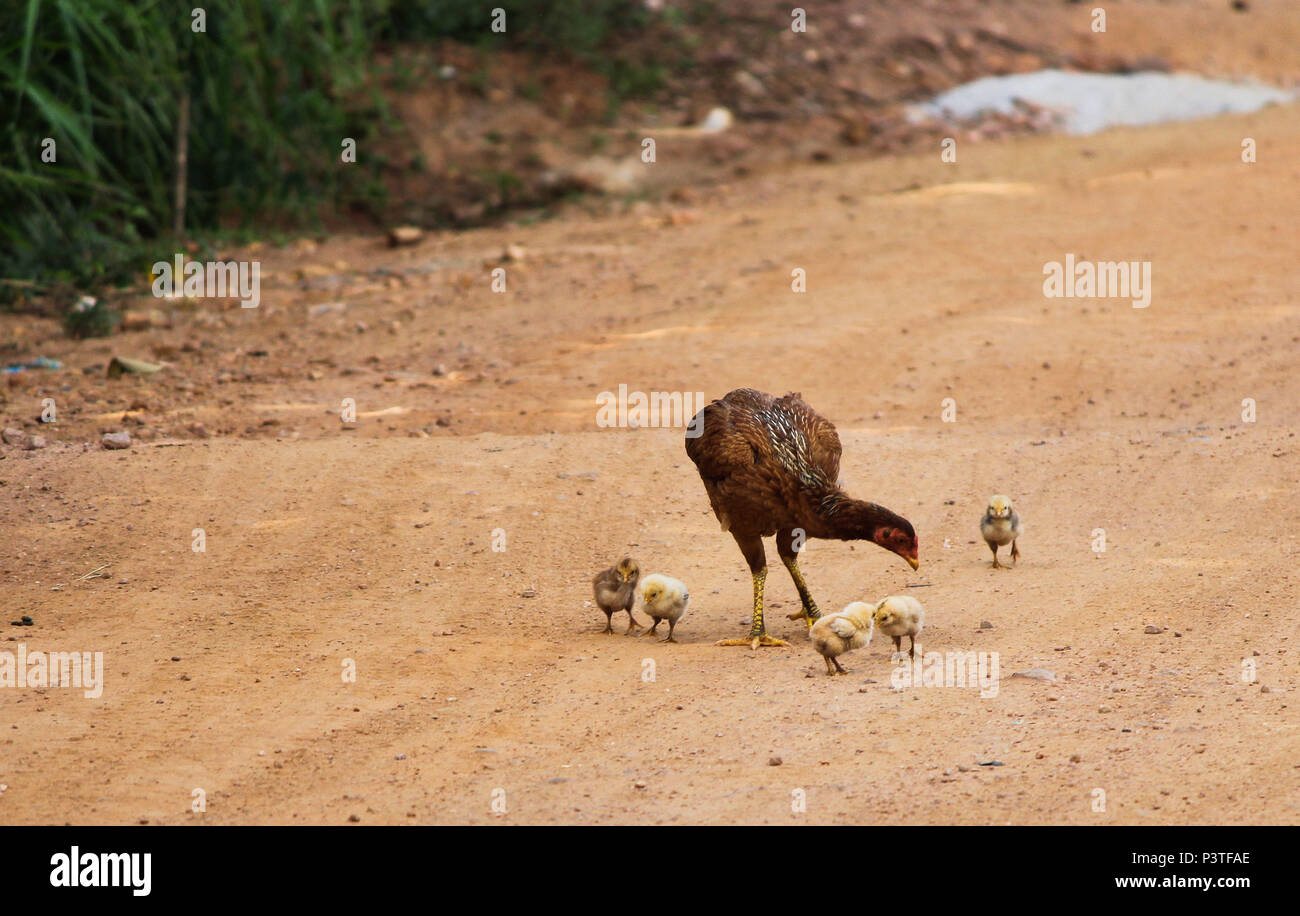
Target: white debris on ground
[1085,103]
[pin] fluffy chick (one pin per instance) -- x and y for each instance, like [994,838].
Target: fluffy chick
[615,590]
[1000,527]
[663,598]
[899,616]
[842,632]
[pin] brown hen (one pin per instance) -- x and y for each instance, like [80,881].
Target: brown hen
[770,467]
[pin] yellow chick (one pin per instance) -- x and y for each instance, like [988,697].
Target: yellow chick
[615,590]
[899,616]
[842,632]
[663,598]
[1000,527]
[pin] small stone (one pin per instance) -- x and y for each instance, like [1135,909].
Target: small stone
[13,436]
[774,761]
[1075,758]
[116,440]
[1152,629]
[1038,674]
[991,763]
[354,818]
[404,235]
[34,443]
[986,625]
[1104,709]
[640,784]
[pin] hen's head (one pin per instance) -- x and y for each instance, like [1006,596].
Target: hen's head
[899,538]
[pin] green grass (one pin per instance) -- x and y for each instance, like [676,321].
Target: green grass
[274,86]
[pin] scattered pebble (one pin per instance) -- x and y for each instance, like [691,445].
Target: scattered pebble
[116,440]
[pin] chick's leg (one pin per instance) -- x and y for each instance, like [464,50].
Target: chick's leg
[631,624]
[785,546]
[1015,554]
[609,622]
[669,637]
[753,550]
[830,672]
[996,564]
[839,669]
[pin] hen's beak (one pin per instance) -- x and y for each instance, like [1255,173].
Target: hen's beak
[913,562]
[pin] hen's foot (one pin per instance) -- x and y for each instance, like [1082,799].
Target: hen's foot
[754,641]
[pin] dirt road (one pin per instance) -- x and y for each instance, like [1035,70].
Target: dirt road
[482,676]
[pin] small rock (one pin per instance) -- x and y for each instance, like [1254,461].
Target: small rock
[1038,674]
[1153,629]
[986,625]
[354,818]
[774,761]
[640,784]
[404,235]
[991,763]
[13,436]
[116,440]
[1104,709]
[1075,758]
[748,83]
[34,443]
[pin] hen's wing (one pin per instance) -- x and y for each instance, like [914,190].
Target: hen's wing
[822,440]
[762,458]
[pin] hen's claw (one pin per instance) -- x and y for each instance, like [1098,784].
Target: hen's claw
[754,641]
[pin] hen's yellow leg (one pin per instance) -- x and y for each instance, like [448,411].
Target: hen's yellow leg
[758,633]
[809,612]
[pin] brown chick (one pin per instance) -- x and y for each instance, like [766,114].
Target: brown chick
[615,590]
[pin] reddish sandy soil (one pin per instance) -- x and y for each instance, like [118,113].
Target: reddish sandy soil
[482,670]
